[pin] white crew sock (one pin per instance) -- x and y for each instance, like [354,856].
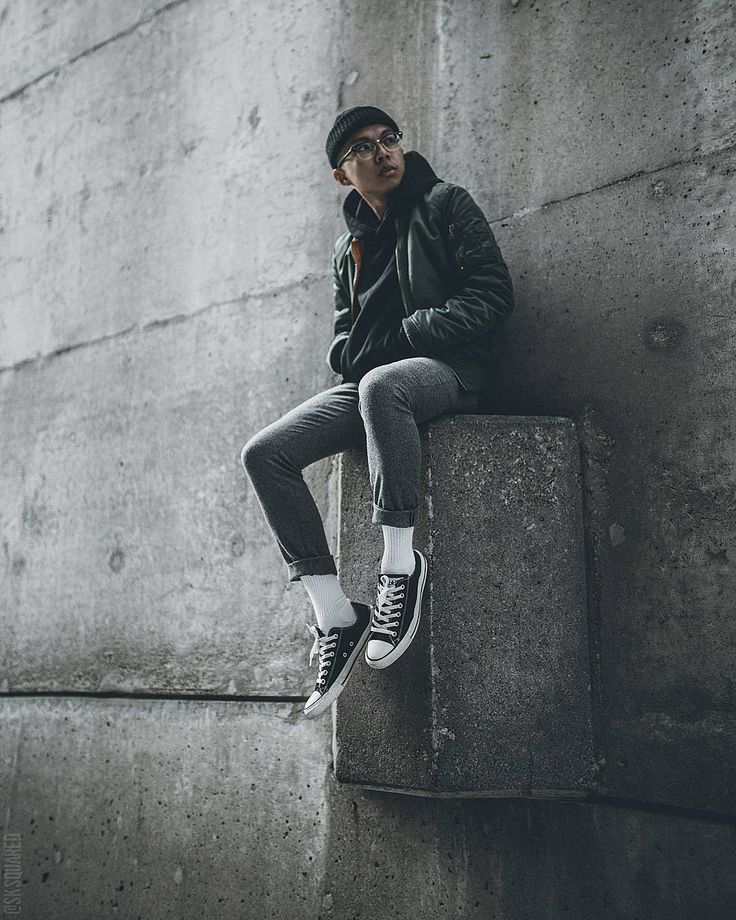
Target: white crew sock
[398,550]
[331,606]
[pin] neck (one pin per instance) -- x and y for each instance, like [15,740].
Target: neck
[377,204]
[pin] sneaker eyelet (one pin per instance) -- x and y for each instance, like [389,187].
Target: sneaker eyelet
[344,654]
[351,643]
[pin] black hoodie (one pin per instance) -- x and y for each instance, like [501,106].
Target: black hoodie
[377,336]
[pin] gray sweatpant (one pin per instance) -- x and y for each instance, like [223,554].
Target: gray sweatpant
[382,411]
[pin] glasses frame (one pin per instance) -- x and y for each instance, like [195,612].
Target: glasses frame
[375,143]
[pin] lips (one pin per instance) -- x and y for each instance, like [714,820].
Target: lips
[388,171]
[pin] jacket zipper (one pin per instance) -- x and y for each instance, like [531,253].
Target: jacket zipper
[402,267]
[358,259]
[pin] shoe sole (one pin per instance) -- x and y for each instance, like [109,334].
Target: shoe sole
[324,703]
[409,637]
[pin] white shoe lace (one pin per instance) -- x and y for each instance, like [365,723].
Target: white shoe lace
[324,646]
[385,614]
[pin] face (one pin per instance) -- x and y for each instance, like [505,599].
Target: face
[376,176]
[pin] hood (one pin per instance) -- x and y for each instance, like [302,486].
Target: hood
[360,219]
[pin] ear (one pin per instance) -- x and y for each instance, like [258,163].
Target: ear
[339,176]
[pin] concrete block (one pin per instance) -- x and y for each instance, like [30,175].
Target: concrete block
[493,697]
[625,329]
[519,859]
[134,553]
[168,809]
[177,810]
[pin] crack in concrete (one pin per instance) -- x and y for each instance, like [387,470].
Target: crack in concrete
[306,280]
[696,157]
[91,50]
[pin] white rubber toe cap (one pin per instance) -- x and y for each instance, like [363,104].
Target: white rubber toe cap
[377,649]
[313,700]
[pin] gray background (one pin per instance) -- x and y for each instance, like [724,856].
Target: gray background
[166,221]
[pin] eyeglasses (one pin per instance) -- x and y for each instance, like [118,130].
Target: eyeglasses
[367,149]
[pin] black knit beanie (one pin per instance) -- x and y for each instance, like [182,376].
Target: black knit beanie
[351,120]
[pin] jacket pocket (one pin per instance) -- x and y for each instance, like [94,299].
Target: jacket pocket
[334,352]
[473,237]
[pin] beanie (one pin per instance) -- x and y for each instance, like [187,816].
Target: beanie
[351,120]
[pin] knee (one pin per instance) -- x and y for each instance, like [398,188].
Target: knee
[254,452]
[381,390]
[375,385]
[245,454]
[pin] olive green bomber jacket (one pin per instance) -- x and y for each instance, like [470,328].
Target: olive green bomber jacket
[455,285]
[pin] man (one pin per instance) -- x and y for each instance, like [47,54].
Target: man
[419,288]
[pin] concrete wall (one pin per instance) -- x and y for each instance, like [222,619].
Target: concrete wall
[165,293]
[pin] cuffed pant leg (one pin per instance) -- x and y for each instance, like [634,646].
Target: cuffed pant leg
[322,425]
[393,400]
[317,565]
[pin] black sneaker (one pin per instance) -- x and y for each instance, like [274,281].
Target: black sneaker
[396,615]
[338,651]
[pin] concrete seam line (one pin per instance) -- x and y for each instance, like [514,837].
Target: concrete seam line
[524,212]
[181,696]
[87,51]
[164,321]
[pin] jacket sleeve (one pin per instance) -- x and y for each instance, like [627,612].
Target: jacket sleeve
[485,296]
[342,320]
